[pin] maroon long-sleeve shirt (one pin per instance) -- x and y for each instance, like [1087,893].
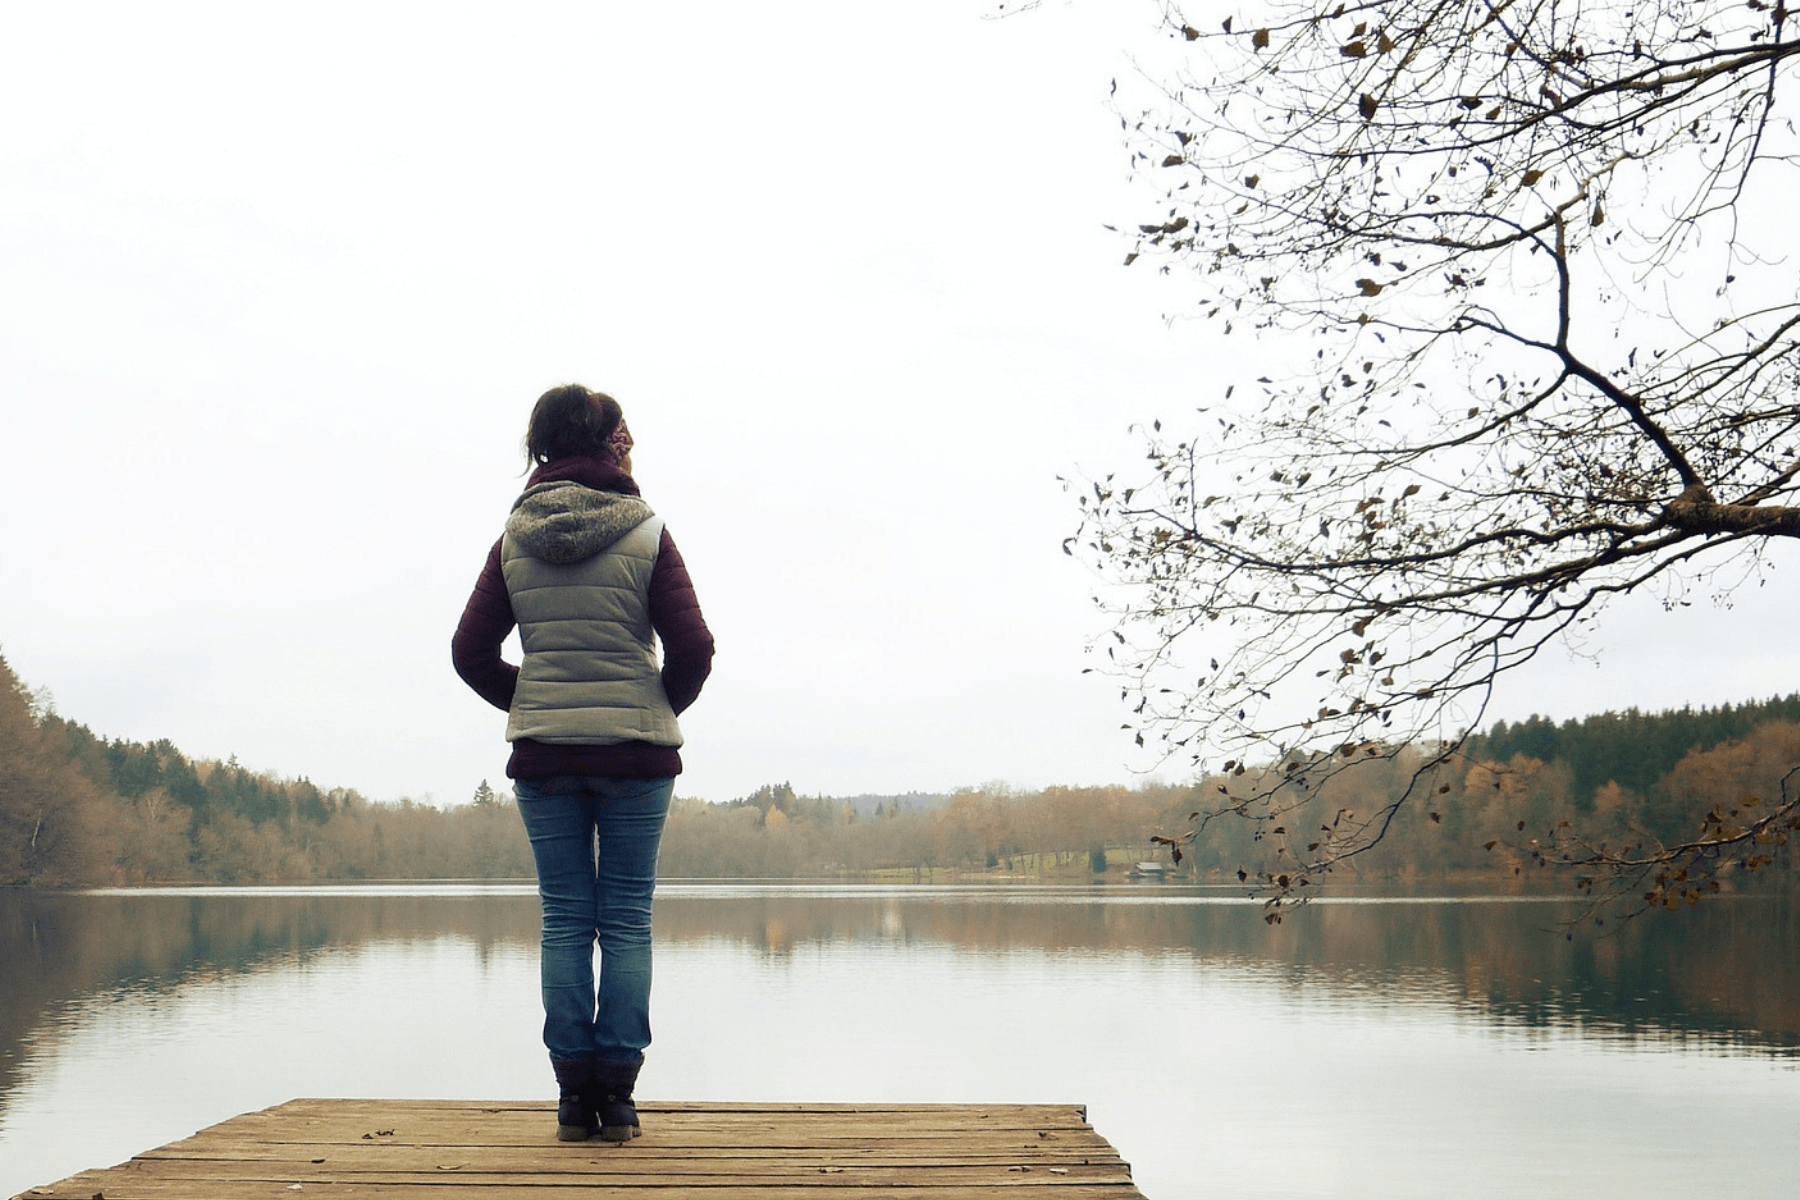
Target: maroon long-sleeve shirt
[687,648]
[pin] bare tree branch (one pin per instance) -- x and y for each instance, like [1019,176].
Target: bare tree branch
[1549,362]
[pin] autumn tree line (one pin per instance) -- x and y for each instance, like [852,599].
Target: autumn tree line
[79,809]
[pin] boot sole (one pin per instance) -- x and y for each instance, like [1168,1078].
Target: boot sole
[572,1133]
[619,1133]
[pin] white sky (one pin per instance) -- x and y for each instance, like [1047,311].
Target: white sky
[280,283]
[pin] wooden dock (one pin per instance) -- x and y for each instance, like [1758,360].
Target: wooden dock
[487,1150]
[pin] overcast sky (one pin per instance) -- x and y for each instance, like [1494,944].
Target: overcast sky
[281,283]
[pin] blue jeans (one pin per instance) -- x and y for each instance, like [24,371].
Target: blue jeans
[595,842]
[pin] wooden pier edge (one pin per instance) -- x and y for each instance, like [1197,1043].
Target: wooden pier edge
[323,1149]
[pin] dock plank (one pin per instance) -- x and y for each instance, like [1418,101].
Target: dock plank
[499,1150]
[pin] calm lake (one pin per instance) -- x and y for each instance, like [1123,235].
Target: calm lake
[1371,1046]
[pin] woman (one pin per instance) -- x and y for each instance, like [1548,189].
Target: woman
[588,574]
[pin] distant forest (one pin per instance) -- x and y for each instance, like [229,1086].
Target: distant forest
[77,809]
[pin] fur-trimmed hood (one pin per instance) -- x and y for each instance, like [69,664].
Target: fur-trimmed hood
[561,521]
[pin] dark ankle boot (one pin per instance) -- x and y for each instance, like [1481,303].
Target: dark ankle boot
[574,1116]
[609,1098]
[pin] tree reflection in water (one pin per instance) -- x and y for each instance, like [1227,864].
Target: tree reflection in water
[1180,1015]
[1728,970]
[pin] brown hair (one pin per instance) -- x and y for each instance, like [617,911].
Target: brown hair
[570,420]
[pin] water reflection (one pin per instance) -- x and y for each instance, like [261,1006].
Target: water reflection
[60,947]
[1728,971]
[1186,1022]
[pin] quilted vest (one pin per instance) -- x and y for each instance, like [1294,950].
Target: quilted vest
[590,674]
